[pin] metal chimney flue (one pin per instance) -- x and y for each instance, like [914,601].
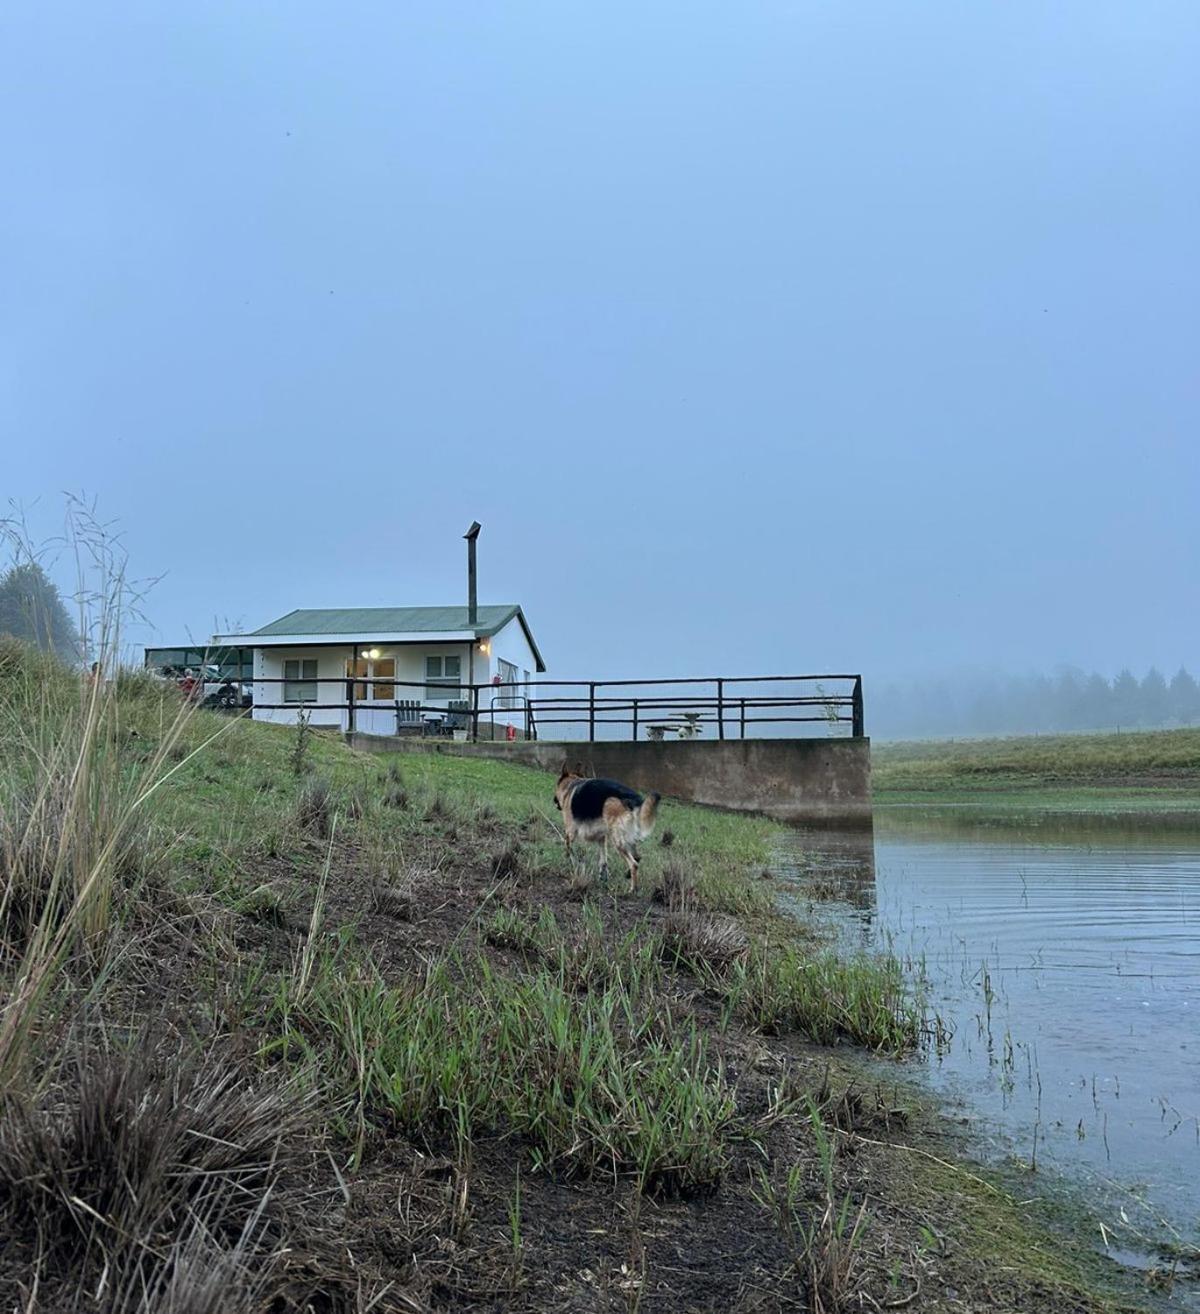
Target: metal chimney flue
[472,582]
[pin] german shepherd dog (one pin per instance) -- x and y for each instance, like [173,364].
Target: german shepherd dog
[603,810]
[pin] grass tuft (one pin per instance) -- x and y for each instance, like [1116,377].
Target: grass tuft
[314,807]
[826,997]
[704,940]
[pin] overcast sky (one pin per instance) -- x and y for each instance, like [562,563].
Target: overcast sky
[758,335]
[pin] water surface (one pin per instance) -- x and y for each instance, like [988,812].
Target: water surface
[1068,963]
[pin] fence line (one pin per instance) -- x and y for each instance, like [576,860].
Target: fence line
[719,702]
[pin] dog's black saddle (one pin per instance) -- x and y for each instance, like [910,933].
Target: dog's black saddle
[589,798]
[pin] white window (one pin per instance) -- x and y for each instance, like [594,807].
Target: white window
[301,680]
[508,681]
[443,677]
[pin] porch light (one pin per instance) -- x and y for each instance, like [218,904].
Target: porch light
[484,647]
[372,653]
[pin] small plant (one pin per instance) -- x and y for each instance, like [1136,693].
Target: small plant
[438,809]
[314,807]
[509,863]
[676,887]
[700,939]
[301,745]
[394,898]
[508,929]
[396,797]
[261,904]
[579,885]
[830,1242]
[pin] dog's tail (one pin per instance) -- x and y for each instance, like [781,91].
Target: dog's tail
[648,811]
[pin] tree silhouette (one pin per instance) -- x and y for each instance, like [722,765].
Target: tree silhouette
[1126,698]
[1153,698]
[1183,698]
[32,609]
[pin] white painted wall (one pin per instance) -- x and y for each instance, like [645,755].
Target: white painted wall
[510,645]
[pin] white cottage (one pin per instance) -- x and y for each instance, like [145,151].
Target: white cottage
[395,670]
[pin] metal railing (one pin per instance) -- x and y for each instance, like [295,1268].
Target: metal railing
[730,707]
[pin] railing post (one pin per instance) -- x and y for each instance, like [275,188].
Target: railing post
[635,719]
[720,709]
[592,712]
[350,704]
[857,727]
[743,718]
[474,713]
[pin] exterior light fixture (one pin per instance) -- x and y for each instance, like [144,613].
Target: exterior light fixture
[374,653]
[485,647]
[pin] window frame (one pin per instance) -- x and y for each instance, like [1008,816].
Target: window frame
[442,687]
[510,677]
[296,686]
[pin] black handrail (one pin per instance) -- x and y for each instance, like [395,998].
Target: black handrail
[668,704]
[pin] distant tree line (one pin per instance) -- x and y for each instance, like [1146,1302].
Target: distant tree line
[1032,704]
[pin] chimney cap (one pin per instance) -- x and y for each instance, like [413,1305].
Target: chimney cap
[473,532]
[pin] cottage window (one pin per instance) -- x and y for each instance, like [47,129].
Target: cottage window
[508,680]
[300,680]
[384,671]
[443,677]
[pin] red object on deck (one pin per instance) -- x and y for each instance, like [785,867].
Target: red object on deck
[510,732]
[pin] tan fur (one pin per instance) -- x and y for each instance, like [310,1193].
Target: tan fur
[622,826]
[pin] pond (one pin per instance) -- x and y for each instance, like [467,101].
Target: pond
[1068,964]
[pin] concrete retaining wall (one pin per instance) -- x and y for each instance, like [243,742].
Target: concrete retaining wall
[808,781]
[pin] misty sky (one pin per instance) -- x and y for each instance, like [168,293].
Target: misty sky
[759,336]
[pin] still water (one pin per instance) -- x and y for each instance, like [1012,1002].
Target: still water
[1068,966]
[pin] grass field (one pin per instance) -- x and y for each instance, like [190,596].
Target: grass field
[288,1027]
[1147,776]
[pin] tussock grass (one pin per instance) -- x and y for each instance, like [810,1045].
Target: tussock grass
[315,807]
[148,1169]
[703,940]
[508,863]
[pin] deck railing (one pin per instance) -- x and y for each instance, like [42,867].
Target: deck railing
[725,707]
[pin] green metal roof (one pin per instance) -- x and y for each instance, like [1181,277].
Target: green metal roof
[365,621]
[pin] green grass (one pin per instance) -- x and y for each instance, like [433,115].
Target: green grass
[1146,759]
[827,997]
[1149,776]
[599,1081]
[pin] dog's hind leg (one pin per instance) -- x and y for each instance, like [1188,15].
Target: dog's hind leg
[630,854]
[604,862]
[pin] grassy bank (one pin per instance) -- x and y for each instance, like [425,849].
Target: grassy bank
[1150,776]
[288,1027]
